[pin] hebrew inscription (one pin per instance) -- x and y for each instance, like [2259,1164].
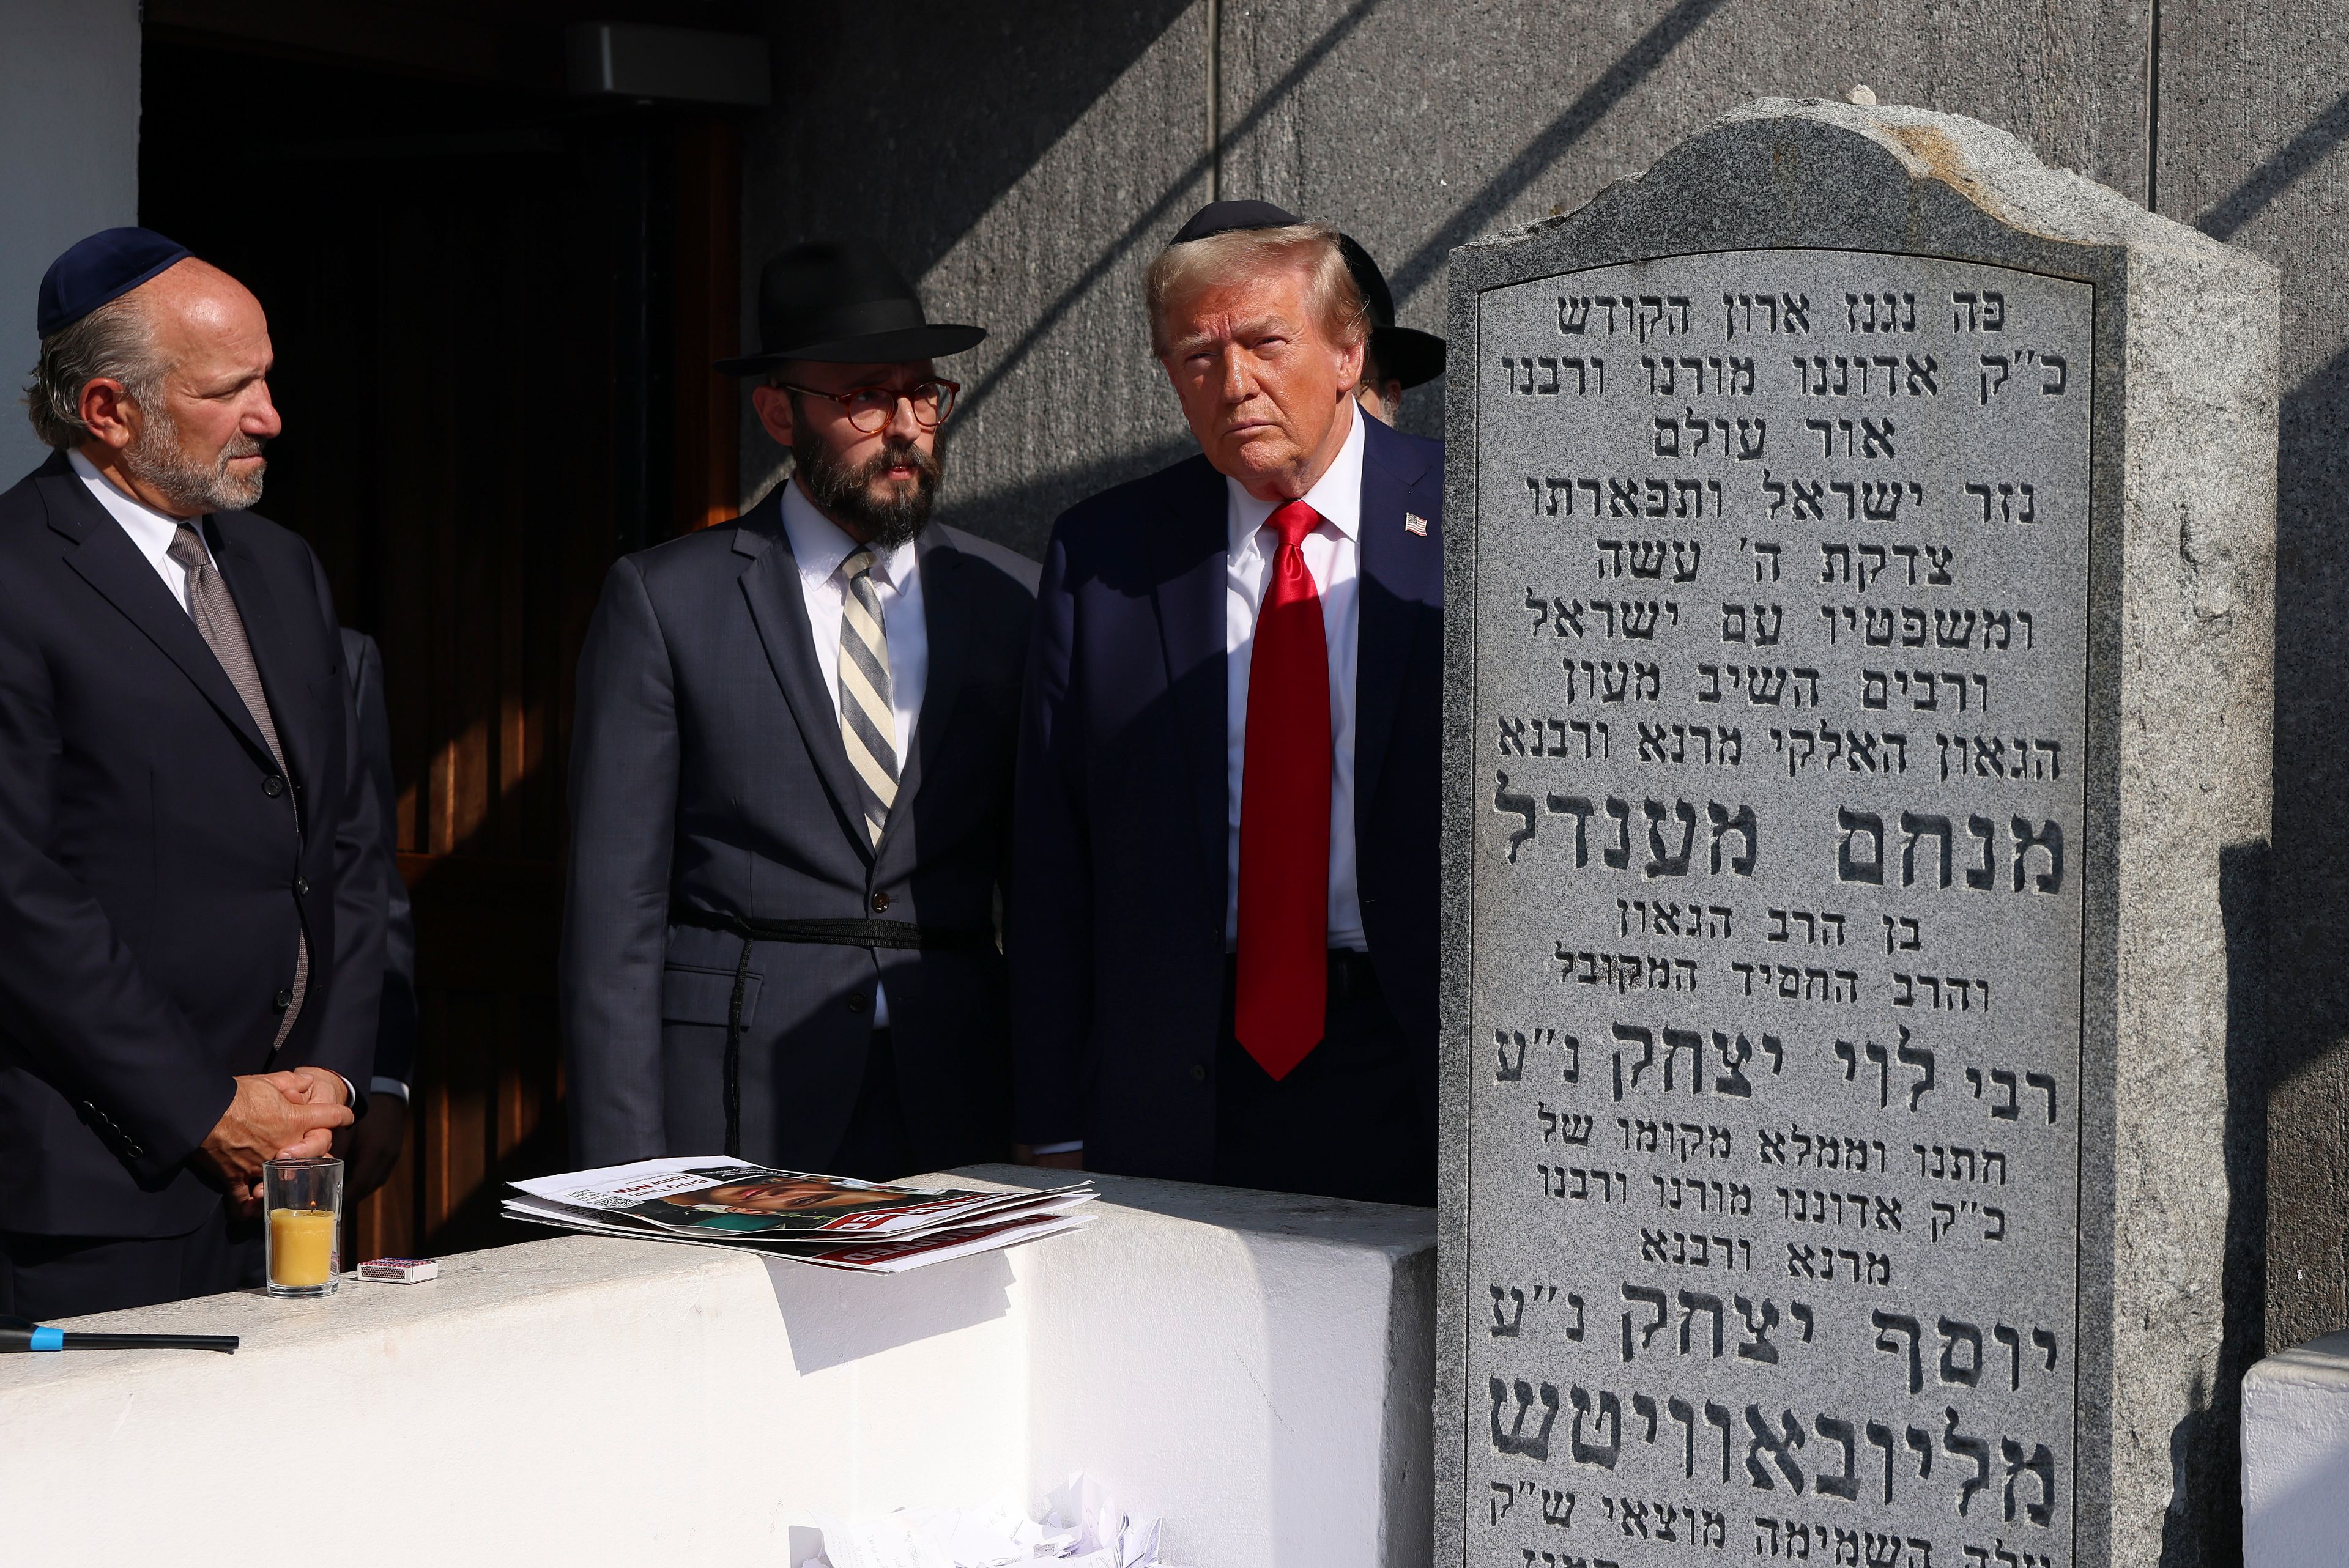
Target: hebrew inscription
[1782,628]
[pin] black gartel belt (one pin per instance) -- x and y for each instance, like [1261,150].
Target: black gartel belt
[892,934]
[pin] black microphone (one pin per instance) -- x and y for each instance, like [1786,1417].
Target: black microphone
[22,1333]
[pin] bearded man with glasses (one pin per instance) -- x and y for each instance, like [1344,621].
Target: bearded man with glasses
[791,781]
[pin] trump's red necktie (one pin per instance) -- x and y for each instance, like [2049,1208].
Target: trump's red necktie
[1284,904]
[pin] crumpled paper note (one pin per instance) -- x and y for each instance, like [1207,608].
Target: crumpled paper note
[1082,1527]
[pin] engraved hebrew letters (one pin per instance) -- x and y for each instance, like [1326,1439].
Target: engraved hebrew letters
[1780,646]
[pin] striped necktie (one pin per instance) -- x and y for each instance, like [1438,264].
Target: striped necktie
[867,724]
[214,613]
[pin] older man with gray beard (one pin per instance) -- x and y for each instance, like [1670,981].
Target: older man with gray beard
[191,902]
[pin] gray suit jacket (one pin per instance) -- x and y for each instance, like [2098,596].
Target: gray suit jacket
[706,768]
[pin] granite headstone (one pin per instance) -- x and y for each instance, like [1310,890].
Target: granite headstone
[1859,662]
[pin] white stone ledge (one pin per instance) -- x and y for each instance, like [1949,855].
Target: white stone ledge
[1255,1368]
[2296,1456]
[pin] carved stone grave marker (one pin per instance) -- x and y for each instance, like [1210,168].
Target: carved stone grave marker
[1859,664]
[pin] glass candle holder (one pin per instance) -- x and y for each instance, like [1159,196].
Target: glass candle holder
[301,1202]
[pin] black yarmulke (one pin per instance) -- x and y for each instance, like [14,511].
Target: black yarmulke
[1221,217]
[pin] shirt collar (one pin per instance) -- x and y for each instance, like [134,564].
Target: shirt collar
[151,531]
[1337,495]
[819,545]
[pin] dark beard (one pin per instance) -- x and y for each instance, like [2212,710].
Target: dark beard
[844,490]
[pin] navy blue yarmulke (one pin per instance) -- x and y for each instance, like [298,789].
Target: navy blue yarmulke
[106,267]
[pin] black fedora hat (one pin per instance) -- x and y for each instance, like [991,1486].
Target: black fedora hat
[845,302]
[1405,353]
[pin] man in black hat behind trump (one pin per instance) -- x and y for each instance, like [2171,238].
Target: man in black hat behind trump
[791,781]
[191,902]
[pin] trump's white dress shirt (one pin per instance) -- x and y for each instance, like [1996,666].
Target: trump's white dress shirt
[1333,554]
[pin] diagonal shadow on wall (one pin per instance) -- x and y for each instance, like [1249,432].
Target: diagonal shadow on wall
[1017,515]
[2278,173]
[909,119]
[1002,514]
[2303,1082]
[1162,209]
[1479,210]
[2287,1003]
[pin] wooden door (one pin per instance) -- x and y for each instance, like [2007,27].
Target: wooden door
[491,362]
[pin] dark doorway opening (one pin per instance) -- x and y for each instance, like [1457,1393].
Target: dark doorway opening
[493,307]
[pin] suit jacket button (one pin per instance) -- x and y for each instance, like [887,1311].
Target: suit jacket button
[856,1003]
[283,1000]
[1198,1072]
[273,786]
[301,887]
[880,904]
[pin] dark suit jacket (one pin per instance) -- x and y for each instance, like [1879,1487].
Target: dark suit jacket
[1119,887]
[370,765]
[707,767]
[151,875]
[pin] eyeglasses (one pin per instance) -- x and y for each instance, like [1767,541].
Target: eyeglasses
[870,408]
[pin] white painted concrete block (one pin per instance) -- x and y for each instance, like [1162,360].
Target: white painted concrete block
[1255,1368]
[2296,1457]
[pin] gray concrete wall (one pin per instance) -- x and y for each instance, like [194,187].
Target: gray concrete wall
[1417,127]
[1070,141]
[68,165]
[1068,144]
[1023,164]
[2254,111]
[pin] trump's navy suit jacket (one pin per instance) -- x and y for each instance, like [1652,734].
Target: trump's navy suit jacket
[152,873]
[707,770]
[1121,855]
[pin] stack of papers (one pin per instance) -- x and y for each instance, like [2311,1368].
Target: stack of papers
[833,1220]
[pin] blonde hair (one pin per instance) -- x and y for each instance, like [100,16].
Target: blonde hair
[1310,248]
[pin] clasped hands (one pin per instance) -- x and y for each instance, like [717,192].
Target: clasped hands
[275,1116]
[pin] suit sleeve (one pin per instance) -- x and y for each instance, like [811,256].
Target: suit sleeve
[395,1035]
[1051,906]
[76,1004]
[344,1040]
[624,769]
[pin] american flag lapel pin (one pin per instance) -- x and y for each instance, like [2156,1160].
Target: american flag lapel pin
[1414,524]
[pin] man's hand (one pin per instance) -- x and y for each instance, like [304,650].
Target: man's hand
[1066,1160]
[274,1116]
[320,1087]
[374,1145]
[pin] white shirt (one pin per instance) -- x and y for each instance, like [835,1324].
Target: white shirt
[151,531]
[820,548]
[1333,555]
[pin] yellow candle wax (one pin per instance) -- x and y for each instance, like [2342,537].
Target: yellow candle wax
[301,1246]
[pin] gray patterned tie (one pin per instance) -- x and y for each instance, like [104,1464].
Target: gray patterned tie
[867,726]
[216,615]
